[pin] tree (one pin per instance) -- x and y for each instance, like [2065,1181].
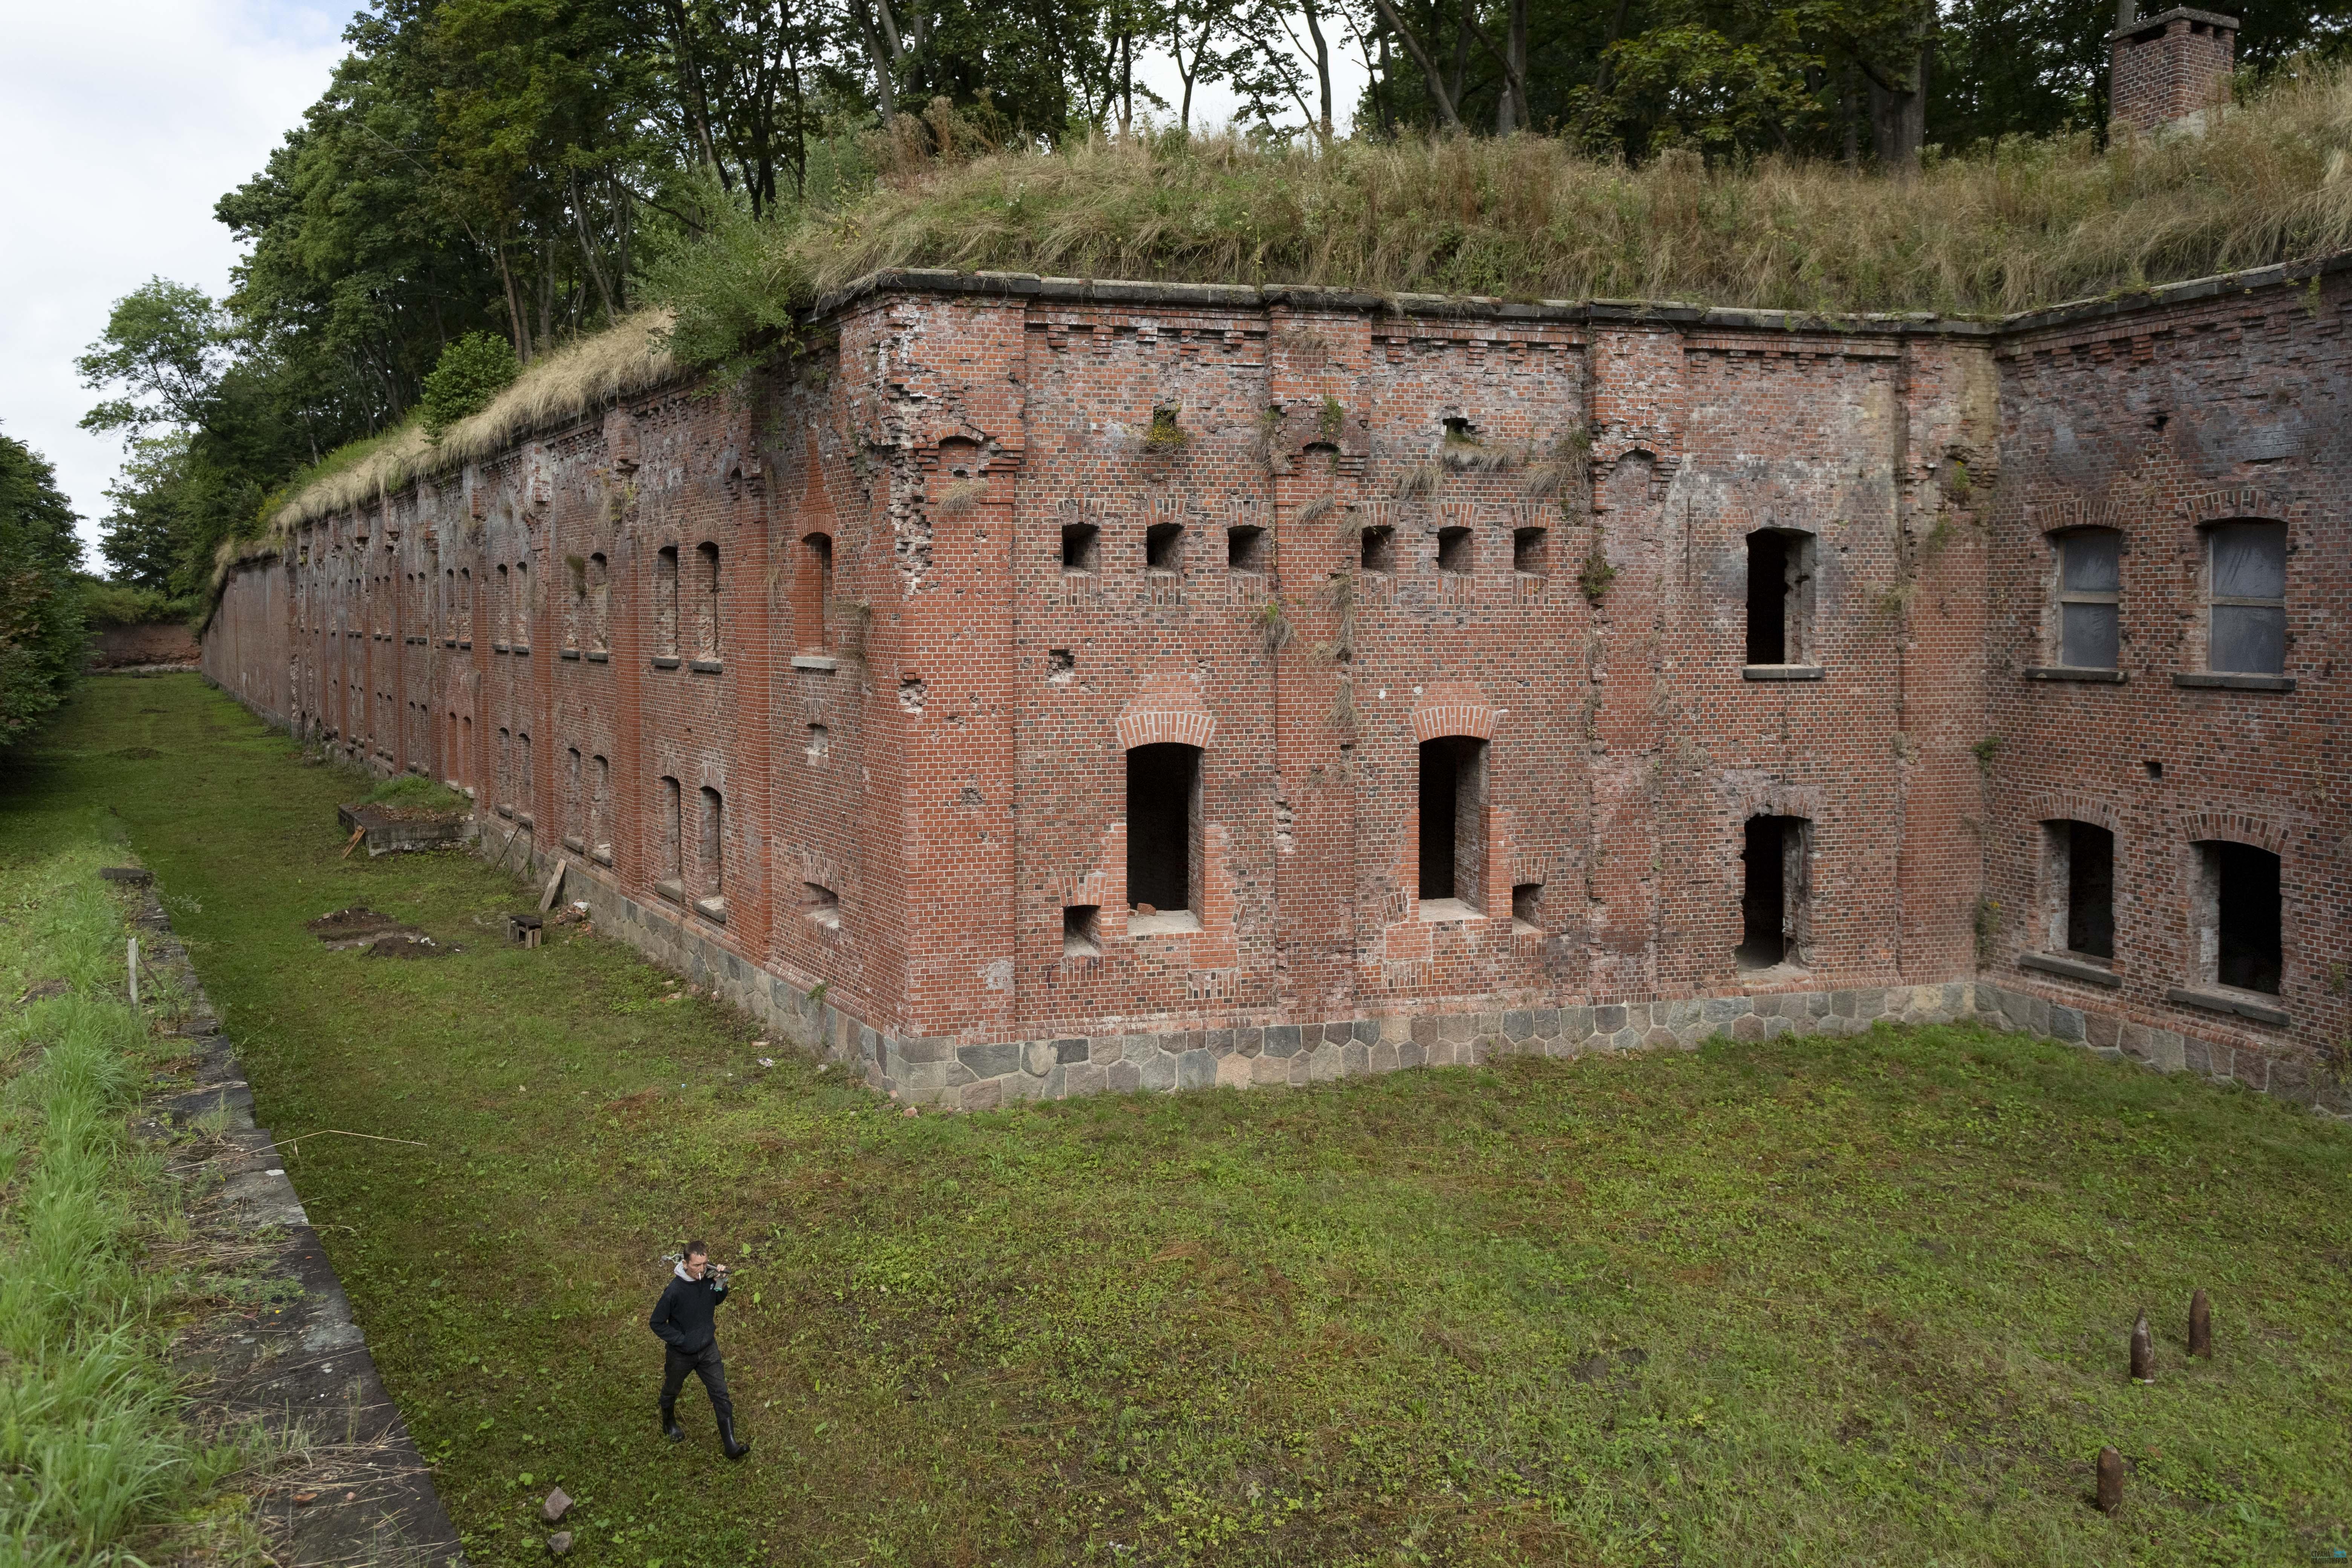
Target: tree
[41,628]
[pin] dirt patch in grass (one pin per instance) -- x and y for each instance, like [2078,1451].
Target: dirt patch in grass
[381,934]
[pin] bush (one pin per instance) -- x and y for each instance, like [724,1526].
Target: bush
[472,371]
[105,604]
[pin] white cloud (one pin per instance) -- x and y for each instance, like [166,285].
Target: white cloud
[125,121]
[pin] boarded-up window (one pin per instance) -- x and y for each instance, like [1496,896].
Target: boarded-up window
[600,605]
[665,603]
[706,601]
[2249,599]
[669,838]
[2090,593]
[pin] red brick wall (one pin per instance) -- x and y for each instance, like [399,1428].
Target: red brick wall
[2168,67]
[978,701]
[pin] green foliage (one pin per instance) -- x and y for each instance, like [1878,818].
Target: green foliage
[733,286]
[95,1449]
[1331,419]
[472,371]
[41,624]
[1595,576]
[1725,1306]
[105,604]
[1166,433]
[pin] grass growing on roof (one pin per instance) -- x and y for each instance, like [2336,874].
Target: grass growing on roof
[1812,1300]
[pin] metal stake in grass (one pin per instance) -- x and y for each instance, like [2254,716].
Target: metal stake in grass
[2201,1325]
[2111,1480]
[2143,1350]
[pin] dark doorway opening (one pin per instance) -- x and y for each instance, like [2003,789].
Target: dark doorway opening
[2090,890]
[1772,893]
[2246,907]
[1453,819]
[1163,817]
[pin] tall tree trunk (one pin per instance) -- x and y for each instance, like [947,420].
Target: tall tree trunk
[1322,69]
[1511,113]
[1438,97]
[1898,113]
[1460,51]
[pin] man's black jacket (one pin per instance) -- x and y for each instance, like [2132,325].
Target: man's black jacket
[682,1315]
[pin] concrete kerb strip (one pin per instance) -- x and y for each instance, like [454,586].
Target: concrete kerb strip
[304,1364]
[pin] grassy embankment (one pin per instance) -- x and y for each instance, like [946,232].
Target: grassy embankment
[1979,231]
[1809,1301]
[98,1463]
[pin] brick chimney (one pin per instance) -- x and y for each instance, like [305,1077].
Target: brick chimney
[2169,67]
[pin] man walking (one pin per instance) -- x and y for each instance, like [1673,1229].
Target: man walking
[684,1318]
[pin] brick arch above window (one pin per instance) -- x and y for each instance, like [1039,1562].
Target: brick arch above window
[1166,707]
[1157,726]
[2235,827]
[2239,504]
[1454,707]
[2072,806]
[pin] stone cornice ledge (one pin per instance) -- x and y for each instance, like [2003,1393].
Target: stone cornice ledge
[1030,286]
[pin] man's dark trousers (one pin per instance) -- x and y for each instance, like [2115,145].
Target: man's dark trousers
[703,1364]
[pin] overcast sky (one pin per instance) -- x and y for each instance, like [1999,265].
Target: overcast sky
[124,121]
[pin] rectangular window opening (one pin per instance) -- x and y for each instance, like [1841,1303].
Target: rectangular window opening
[1163,547]
[2090,890]
[820,743]
[1380,548]
[822,905]
[1163,838]
[1453,827]
[1780,588]
[2240,910]
[1245,548]
[2090,595]
[1081,547]
[1454,550]
[1081,930]
[665,603]
[1530,551]
[1772,903]
[600,605]
[1526,908]
[2249,598]
[705,626]
[672,884]
[812,593]
[711,842]
[600,807]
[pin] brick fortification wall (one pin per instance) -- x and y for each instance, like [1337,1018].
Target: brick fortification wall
[874,783]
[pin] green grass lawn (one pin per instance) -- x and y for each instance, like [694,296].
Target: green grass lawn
[1808,1301]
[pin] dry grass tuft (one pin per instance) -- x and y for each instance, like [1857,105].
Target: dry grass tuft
[2026,224]
[2015,226]
[564,384]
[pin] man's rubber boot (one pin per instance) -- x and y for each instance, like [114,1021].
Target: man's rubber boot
[670,1428]
[727,1440]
